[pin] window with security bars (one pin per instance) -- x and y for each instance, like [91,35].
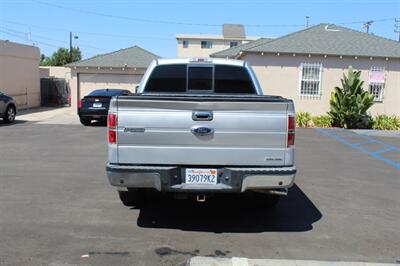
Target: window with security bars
[310,79]
[376,83]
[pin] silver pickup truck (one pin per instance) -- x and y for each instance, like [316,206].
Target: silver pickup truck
[197,127]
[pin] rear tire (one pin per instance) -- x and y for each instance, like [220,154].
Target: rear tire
[264,200]
[85,121]
[10,114]
[131,198]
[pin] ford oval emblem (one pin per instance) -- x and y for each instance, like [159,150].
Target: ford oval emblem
[199,130]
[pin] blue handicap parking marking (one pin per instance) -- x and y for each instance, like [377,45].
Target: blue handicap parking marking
[347,137]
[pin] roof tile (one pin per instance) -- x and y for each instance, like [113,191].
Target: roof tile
[130,57]
[330,39]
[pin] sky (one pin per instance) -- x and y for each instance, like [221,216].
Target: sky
[103,26]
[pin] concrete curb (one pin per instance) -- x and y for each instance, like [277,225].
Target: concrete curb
[209,261]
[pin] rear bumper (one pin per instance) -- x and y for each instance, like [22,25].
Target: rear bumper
[97,113]
[171,178]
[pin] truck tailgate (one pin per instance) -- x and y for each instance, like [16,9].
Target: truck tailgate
[160,131]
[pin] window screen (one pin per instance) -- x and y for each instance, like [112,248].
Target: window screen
[377,83]
[231,79]
[310,79]
[200,78]
[167,78]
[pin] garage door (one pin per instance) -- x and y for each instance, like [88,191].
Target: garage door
[90,82]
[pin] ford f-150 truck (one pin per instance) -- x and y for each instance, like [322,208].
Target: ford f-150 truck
[197,127]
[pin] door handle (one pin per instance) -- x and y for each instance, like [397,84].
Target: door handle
[202,115]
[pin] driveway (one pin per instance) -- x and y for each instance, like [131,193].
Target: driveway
[50,116]
[57,208]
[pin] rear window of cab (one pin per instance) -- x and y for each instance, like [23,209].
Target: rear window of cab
[181,78]
[109,92]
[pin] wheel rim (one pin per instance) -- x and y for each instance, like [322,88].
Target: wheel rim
[11,114]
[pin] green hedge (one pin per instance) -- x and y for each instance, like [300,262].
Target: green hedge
[380,122]
[385,122]
[322,121]
[303,119]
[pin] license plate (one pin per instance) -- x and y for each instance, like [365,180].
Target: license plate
[97,105]
[201,176]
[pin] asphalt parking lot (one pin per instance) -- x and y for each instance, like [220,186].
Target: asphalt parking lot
[57,208]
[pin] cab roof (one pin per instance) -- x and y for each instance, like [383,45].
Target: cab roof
[201,60]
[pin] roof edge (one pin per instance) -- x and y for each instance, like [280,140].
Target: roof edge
[319,54]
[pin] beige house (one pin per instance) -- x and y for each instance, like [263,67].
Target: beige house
[306,65]
[19,73]
[202,45]
[121,69]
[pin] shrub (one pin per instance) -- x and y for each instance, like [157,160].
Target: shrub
[349,104]
[302,119]
[322,121]
[385,122]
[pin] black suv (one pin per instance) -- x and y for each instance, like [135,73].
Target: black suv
[95,105]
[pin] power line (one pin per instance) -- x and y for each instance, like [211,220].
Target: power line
[170,22]
[362,22]
[54,40]
[24,38]
[397,27]
[85,32]
[144,20]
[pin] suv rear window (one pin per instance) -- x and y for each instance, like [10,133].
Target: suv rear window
[109,92]
[200,79]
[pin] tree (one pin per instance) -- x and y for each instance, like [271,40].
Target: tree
[349,104]
[61,57]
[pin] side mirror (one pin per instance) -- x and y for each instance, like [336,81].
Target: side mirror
[136,88]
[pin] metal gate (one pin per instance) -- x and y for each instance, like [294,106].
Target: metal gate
[54,92]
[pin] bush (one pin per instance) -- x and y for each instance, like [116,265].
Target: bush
[322,121]
[349,104]
[385,122]
[302,119]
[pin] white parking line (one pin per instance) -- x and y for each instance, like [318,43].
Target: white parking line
[206,261]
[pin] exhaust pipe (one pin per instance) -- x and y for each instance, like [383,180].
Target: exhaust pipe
[201,198]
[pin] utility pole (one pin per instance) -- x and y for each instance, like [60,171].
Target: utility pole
[367,25]
[70,45]
[397,27]
[307,21]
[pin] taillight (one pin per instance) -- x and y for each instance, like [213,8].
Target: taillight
[112,137]
[112,128]
[80,104]
[291,130]
[112,120]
